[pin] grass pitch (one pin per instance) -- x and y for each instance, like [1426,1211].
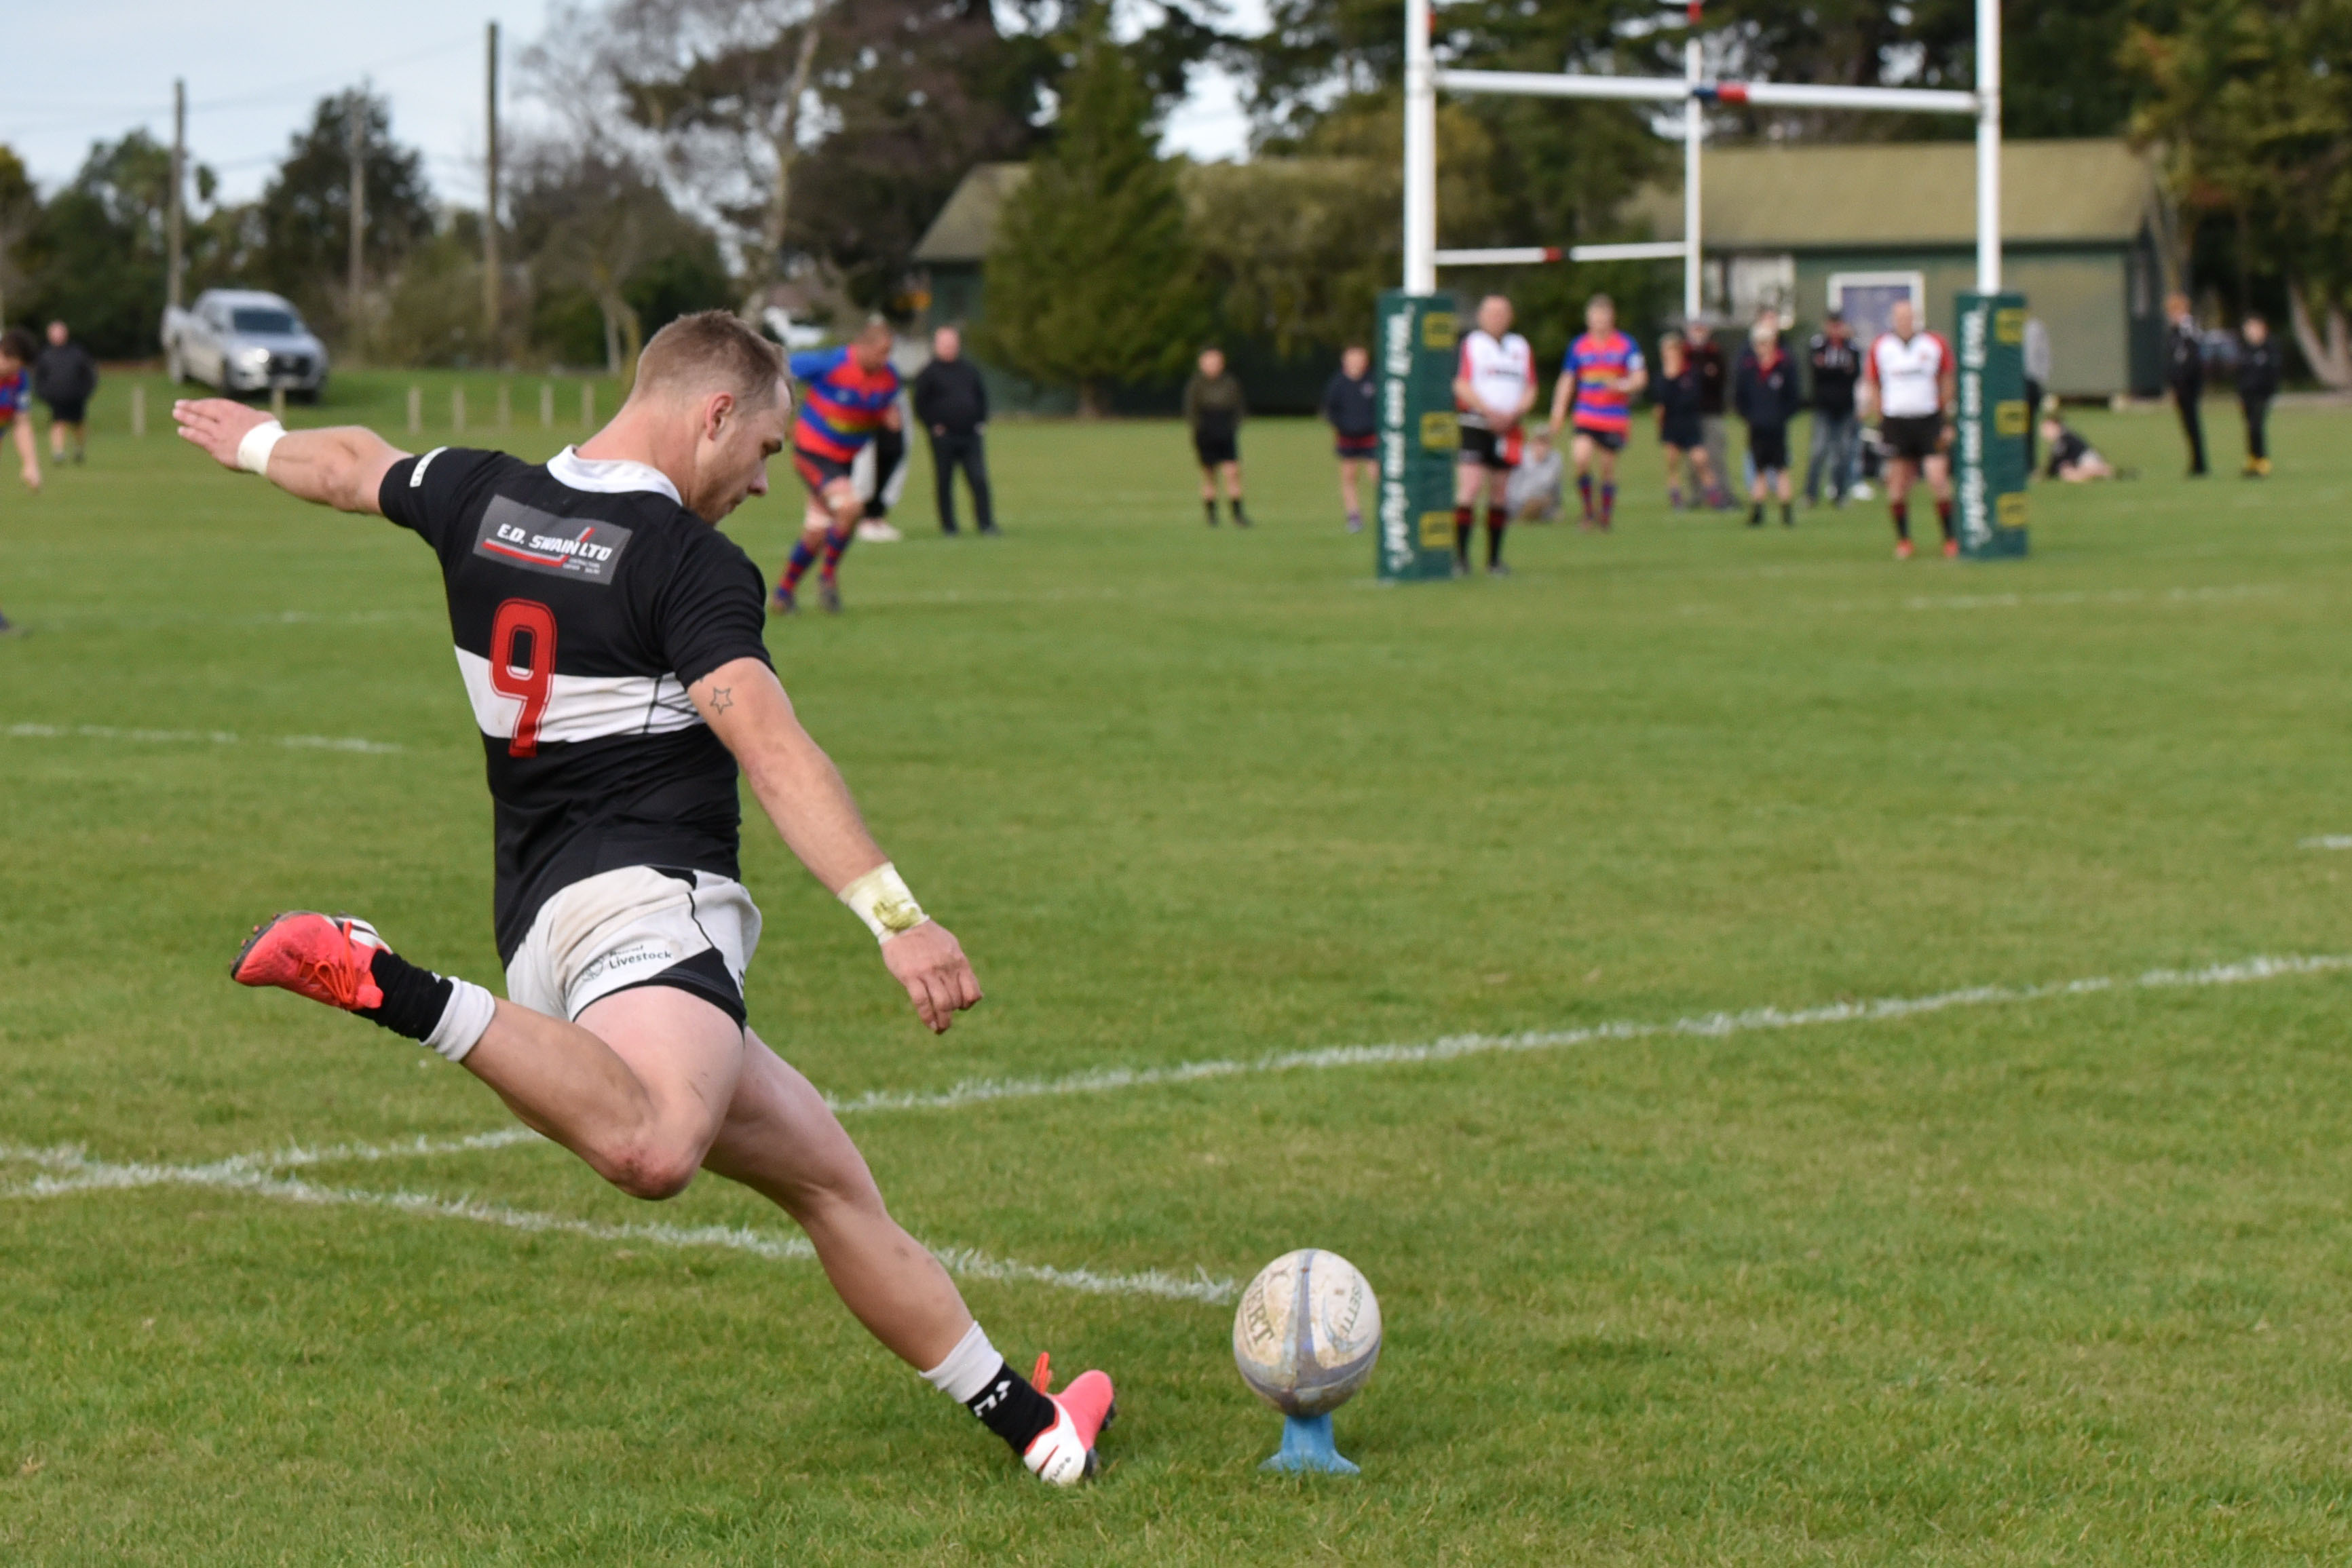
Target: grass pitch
[2020,1278]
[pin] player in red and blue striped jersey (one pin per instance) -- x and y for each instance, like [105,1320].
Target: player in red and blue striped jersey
[850,393]
[1601,372]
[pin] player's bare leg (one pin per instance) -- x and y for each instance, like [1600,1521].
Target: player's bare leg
[827,525]
[1229,475]
[1351,498]
[1939,483]
[650,1084]
[1898,504]
[1583,452]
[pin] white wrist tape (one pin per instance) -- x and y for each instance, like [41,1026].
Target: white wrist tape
[881,900]
[253,452]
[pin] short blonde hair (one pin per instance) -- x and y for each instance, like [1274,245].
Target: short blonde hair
[711,350]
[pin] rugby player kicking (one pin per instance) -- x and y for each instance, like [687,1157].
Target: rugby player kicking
[1910,378]
[853,392]
[609,636]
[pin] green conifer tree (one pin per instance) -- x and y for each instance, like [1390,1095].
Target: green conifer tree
[1092,280]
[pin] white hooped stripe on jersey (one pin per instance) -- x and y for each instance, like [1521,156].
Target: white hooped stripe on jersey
[1909,375]
[581,708]
[608,475]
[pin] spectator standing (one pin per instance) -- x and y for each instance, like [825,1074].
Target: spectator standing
[1214,409]
[1766,391]
[2037,380]
[1351,407]
[1679,432]
[951,404]
[2258,383]
[17,350]
[1836,365]
[2184,371]
[64,377]
[1714,391]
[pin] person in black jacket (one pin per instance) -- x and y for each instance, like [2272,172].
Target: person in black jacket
[1766,391]
[1837,430]
[2184,371]
[952,402]
[1351,407]
[2258,383]
[64,377]
[1714,391]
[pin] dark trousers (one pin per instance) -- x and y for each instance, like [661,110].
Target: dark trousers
[2185,398]
[2033,393]
[2258,414]
[965,451]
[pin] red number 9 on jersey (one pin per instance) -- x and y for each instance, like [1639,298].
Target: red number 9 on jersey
[523,665]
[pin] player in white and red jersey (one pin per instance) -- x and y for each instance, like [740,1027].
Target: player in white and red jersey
[1910,378]
[609,638]
[1494,387]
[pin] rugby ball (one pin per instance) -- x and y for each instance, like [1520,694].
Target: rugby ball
[1307,1332]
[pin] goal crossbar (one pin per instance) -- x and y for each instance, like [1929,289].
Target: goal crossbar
[1696,92]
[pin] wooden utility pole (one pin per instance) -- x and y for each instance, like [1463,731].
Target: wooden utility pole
[355,138]
[175,202]
[490,197]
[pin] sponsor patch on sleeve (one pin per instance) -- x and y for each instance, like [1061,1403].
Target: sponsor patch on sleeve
[577,548]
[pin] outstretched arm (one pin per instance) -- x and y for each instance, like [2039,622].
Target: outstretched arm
[342,467]
[803,795]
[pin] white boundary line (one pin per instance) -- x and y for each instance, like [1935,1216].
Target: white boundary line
[73,1173]
[69,1170]
[2327,841]
[215,737]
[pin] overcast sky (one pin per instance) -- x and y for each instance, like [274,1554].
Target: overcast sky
[86,70]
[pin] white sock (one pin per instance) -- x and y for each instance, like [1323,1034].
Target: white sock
[968,1367]
[463,1021]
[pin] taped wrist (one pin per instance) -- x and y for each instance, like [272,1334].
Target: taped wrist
[880,899]
[253,452]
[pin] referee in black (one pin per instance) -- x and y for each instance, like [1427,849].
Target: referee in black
[952,402]
[2184,373]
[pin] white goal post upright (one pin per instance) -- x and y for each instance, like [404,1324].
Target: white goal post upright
[1989,450]
[1424,81]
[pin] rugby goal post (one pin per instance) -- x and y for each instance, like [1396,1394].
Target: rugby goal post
[1417,323]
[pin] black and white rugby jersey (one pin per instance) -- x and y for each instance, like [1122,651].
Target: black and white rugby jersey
[584,598]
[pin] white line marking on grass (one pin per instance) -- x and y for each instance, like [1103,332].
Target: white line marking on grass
[980,1090]
[1105,1080]
[216,737]
[2328,841]
[76,1172]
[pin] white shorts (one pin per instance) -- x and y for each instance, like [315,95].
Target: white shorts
[637,927]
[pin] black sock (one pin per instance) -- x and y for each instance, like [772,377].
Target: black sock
[1209,505]
[1011,1410]
[1902,512]
[1462,530]
[1755,514]
[414,999]
[1496,520]
[1944,516]
[1787,514]
[1240,516]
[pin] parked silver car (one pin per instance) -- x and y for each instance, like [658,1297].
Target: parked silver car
[243,340]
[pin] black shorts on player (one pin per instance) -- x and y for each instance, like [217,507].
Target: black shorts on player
[1213,450]
[1482,448]
[1768,446]
[1607,440]
[1914,438]
[817,471]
